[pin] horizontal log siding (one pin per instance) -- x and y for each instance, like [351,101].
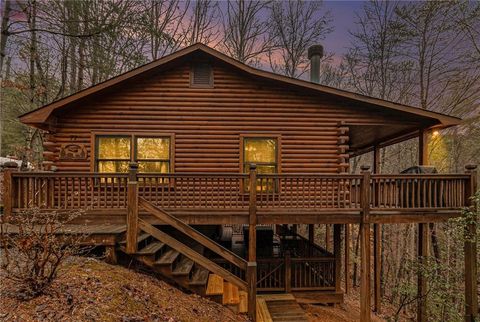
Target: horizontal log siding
[207,122]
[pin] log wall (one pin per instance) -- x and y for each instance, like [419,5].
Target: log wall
[207,122]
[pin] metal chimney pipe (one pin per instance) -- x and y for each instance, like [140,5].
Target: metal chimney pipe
[315,54]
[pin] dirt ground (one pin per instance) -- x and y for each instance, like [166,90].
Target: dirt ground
[347,312]
[91,290]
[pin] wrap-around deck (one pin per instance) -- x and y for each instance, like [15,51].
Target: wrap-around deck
[223,198]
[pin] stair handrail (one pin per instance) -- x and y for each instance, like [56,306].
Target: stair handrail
[195,234]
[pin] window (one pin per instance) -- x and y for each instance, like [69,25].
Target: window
[114,152]
[201,75]
[262,151]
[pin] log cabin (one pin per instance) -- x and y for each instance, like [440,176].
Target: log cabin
[202,168]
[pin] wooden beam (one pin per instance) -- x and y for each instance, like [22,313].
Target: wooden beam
[365,278]
[423,148]
[132,209]
[422,252]
[311,233]
[337,251]
[377,244]
[252,244]
[470,249]
[328,236]
[377,267]
[365,272]
[348,280]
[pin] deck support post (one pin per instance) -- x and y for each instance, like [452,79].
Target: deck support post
[8,191]
[422,253]
[348,280]
[422,237]
[288,272]
[365,279]
[328,237]
[132,209]
[252,244]
[470,249]
[377,245]
[337,251]
[311,233]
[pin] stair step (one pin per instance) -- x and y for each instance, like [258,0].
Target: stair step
[140,239]
[199,277]
[151,248]
[230,294]
[168,258]
[184,267]
[243,305]
[215,285]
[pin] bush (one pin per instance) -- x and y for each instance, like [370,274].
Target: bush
[33,250]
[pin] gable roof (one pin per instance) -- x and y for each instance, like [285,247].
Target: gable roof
[39,116]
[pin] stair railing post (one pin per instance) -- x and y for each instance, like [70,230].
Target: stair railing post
[252,244]
[132,209]
[470,249]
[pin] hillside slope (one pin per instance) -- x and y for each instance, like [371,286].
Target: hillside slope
[91,290]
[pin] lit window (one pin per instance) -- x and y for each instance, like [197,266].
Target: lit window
[263,153]
[113,153]
[153,154]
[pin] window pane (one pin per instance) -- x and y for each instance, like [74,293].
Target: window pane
[154,166]
[113,147]
[113,166]
[260,150]
[153,148]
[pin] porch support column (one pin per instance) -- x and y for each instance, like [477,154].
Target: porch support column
[365,277]
[377,245]
[252,245]
[311,233]
[422,238]
[470,249]
[348,280]
[328,236]
[132,209]
[337,249]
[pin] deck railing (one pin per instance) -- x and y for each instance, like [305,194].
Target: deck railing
[229,191]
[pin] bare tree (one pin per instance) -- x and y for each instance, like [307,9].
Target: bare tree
[160,22]
[373,61]
[203,25]
[293,27]
[245,31]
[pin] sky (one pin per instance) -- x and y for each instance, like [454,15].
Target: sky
[343,14]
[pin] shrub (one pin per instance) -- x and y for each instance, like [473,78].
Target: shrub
[33,250]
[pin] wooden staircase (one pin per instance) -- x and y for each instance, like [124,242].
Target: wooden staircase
[183,263]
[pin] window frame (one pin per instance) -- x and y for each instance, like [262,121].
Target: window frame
[133,146]
[266,136]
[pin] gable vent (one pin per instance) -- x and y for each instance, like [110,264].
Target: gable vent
[202,75]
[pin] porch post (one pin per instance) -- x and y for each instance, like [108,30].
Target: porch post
[470,249]
[311,233]
[337,248]
[377,245]
[365,277]
[422,237]
[132,209]
[348,280]
[252,244]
